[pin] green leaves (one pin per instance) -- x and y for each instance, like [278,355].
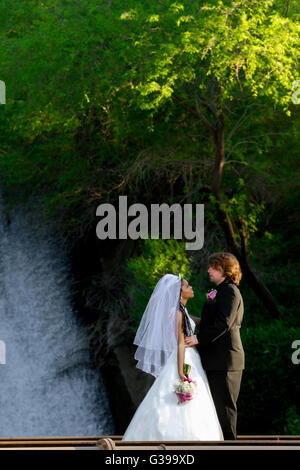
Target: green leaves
[92,85]
[129,15]
[271,381]
[159,257]
[246,44]
[176,7]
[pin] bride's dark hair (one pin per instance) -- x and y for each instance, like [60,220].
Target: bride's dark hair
[186,325]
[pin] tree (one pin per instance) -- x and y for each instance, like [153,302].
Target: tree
[205,57]
[96,72]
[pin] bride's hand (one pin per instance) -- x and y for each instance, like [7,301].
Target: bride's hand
[191,341]
[182,377]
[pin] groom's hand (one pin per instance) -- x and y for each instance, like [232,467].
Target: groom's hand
[191,341]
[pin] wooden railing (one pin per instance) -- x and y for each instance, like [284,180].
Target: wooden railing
[54,443]
[116,443]
[241,443]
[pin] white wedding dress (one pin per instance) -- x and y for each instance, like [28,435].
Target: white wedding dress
[159,416]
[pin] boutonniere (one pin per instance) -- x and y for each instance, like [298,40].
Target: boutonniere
[211,295]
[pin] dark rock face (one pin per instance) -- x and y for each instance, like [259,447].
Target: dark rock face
[126,386]
[102,304]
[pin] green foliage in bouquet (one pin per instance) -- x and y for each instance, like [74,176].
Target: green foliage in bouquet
[186,369]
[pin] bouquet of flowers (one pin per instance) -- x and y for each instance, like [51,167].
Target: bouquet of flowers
[185,389]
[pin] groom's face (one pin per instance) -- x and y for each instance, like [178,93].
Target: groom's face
[216,275]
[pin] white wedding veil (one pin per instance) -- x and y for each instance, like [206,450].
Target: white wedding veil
[157,334]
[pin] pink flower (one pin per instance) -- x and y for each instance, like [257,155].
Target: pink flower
[183,397]
[211,295]
[187,378]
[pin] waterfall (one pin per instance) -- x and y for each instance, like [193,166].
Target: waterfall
[48,386]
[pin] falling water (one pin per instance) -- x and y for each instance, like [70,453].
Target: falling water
[48,386]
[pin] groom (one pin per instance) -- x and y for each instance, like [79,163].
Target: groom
[219,342]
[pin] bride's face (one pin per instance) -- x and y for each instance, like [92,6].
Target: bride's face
[186,290]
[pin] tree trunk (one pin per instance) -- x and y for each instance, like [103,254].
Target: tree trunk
[224,220]
[217,133]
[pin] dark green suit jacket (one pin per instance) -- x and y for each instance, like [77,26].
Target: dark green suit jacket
[220,346]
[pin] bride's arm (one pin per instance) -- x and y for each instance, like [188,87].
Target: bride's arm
[181,347]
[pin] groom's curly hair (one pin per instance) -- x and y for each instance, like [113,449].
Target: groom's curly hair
[230,265]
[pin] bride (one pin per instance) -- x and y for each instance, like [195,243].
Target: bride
[161,352]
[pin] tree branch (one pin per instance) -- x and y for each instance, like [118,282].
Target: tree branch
[201,116]
[196,112]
